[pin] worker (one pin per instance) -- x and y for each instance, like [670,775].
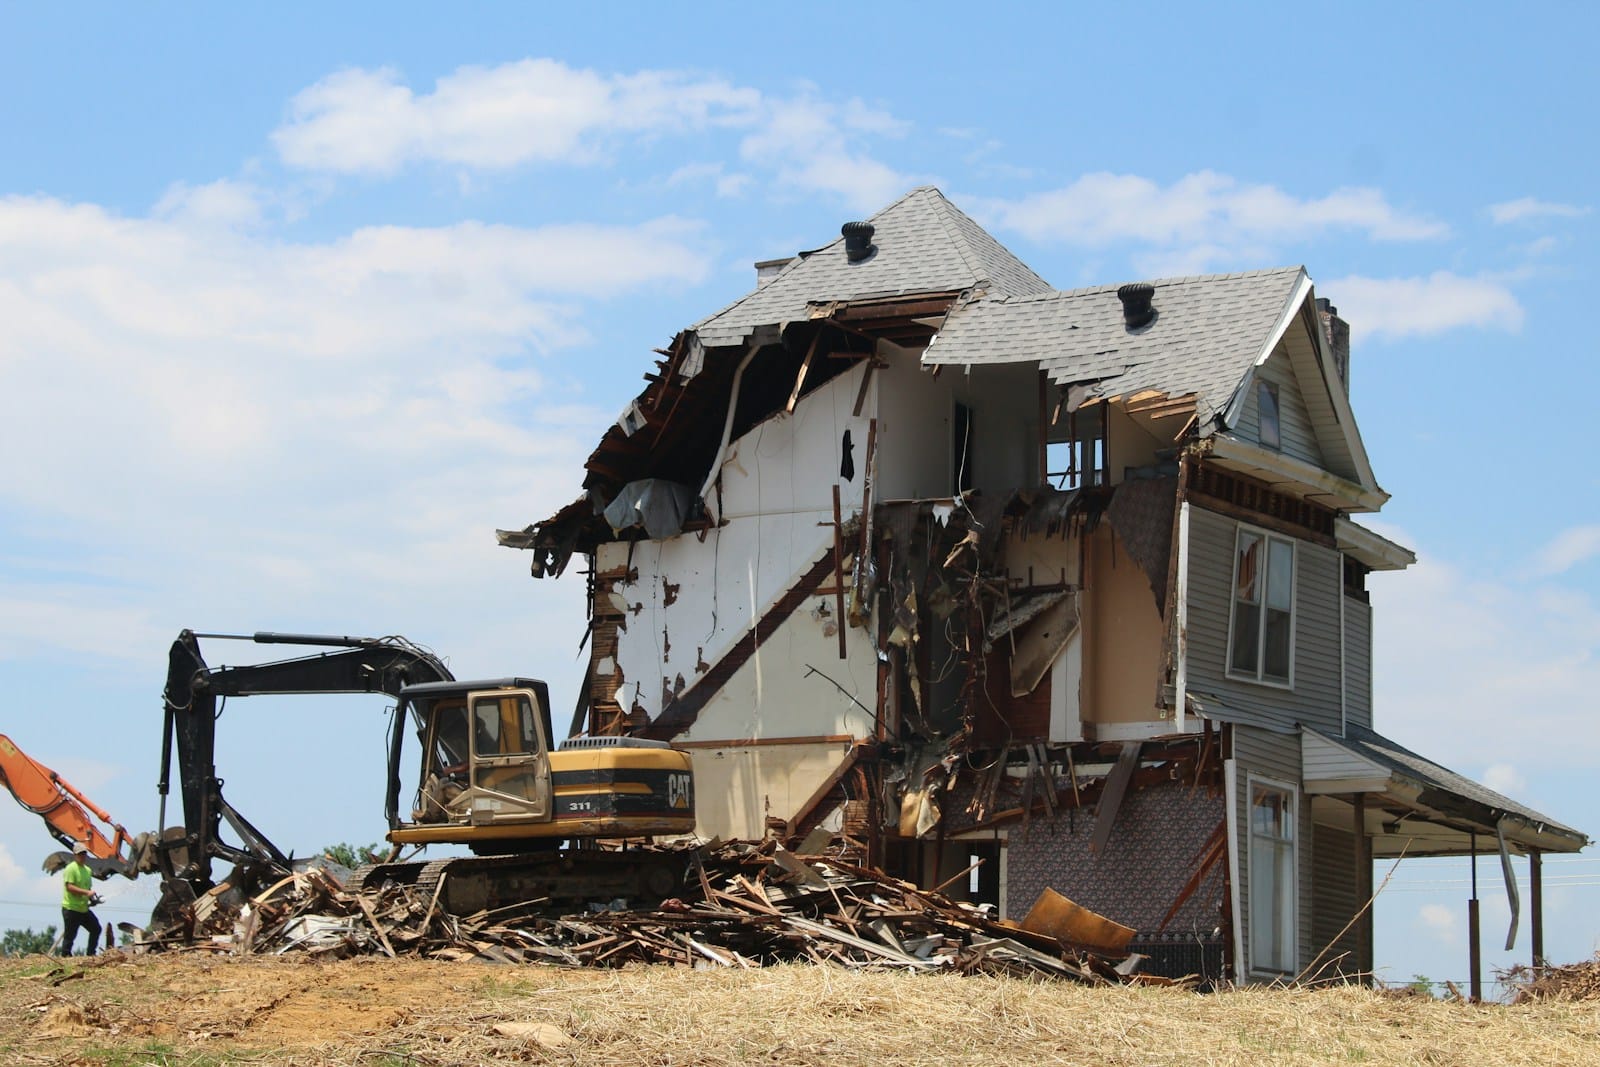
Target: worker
[76,899]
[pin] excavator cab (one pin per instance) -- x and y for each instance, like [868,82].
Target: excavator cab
[485,757]
[489,778]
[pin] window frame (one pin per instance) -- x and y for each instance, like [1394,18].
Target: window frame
[1259,675]
[1289,922]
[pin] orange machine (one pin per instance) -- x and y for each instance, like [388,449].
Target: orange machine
[69,815]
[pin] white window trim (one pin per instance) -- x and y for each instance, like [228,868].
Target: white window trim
[1259,677]
[1251,782]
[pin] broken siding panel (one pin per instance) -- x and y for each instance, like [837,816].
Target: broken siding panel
[1263,754]
[1318,588]
[1297,434]
[1358,662]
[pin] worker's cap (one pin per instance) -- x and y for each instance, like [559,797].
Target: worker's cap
[80,849]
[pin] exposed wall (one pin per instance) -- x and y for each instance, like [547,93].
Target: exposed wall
[1154,848]
[1123,637]
[694,599]
[1319,585]
[736,787]
[1297,435]
[1005,404]
[914,412]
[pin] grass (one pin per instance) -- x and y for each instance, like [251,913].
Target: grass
[195,1011]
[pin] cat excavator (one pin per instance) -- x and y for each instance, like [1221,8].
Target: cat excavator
[544,823]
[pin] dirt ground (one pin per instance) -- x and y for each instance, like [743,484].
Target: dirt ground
[194,1010]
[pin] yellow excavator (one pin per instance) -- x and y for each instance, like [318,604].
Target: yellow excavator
[545,822]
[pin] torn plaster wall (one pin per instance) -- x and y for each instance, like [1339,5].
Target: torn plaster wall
[790,463]
[777,492]
[1124,635]
[1040,560]
[738,786]
[1134,441]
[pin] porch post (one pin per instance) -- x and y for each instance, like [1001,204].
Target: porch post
[1536,909]
[1474,950]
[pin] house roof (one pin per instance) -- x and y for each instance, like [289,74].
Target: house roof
[1449,807]
[925,244]
[1208,333]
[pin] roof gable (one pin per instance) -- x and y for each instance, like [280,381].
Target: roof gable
[925,244]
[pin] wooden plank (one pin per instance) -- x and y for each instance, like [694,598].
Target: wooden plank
[1116,788]
[805,368]
[838,570]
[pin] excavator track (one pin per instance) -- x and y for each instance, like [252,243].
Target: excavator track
[554,882]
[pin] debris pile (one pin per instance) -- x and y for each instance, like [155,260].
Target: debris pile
[743,905]
[1572,981]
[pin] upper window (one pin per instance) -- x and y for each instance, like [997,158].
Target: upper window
[1261,633]
[1267,410]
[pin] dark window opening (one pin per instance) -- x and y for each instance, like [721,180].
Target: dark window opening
[1267,406]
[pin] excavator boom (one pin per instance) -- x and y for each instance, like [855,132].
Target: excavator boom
[72,818]
[193,694]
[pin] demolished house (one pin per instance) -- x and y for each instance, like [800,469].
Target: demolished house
[1021,589]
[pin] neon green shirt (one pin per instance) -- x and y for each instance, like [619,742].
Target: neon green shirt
[79,875]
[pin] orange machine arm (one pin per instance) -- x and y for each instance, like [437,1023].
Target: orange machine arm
[65,810]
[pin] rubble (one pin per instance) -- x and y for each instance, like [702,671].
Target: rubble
[744,905]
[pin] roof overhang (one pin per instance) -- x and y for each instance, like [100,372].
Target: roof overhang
[1374,550]
[1415,807]
[1289,475]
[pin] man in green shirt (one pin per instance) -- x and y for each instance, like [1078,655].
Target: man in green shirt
[75,900]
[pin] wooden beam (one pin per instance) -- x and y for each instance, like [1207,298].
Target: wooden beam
[1105,813]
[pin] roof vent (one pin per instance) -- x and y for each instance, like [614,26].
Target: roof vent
[1136,309]
[858,241]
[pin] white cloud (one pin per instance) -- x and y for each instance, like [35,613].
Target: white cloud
[1474,668]
[1423,306]
[1504,778]
[1200,210]
[533,110]
[1528,207]
[1567,550]
[543,111]
[1441,922]
[220,426]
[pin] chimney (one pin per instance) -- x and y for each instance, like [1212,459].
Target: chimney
[1336,332]
[858,244]
[768,269]
[1136,308]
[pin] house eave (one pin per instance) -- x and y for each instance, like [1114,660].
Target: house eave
[1371,549]
[1289,475]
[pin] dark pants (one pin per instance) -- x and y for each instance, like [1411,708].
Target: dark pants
[71,923]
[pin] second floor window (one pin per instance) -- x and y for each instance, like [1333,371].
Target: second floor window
[1261,632]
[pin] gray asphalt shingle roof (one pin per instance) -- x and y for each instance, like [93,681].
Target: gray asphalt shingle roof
[925,245]
[1400,760]
[1208,331]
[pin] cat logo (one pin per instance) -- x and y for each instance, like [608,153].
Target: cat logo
[680,791]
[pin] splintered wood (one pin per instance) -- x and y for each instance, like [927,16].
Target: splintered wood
[742,905]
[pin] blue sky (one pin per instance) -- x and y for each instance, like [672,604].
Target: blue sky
[299,307]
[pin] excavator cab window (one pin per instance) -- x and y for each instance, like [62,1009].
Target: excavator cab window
[506,744]
[450,752]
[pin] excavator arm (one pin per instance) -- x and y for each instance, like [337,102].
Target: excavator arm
[72,818]
[193,696]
